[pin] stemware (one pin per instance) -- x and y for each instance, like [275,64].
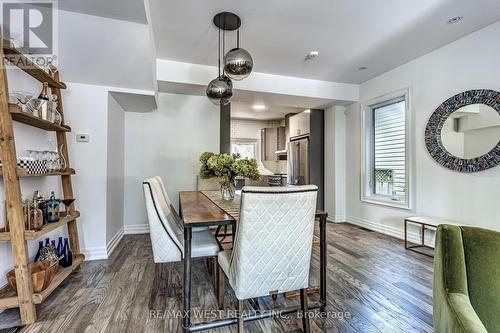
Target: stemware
[46,158]
[31,154]
[67,203]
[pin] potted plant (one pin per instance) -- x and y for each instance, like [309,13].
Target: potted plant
[227,167]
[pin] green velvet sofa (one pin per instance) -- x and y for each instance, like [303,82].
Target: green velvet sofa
[466,280]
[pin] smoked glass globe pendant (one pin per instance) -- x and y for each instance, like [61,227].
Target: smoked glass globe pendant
[220,90]
[237,65]
[238,62]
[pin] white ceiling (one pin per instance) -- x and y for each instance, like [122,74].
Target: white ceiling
[243,110]
[126,10]
[380,35]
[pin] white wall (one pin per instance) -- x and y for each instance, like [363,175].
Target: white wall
[469,63]
[115,173]
[167,143]
[86,112]
[104,51]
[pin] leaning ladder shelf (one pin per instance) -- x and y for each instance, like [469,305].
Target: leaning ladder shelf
[10,174]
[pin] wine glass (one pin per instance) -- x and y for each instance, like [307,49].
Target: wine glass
[46,158]
[31,154]
[67,203]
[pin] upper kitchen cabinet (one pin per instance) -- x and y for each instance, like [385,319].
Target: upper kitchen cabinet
[273,142]
[300,124]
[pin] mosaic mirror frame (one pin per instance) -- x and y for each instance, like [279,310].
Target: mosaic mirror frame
[435,124]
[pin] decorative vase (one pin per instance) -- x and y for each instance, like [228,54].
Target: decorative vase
[227,192]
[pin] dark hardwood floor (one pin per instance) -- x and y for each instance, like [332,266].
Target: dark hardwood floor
[374,285]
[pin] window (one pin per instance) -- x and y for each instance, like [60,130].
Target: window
[385,151]
[245,148]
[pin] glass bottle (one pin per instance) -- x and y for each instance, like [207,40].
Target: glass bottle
[43,100]
[68,254]
[54,248]
[47,241]
[52,209]
[40,247]
[36,216]
[60,250]
[41,204]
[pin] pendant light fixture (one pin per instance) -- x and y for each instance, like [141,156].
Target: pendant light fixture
[220,90]
[237,63]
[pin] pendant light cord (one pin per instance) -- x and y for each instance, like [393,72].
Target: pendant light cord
[223,46]
[218,54]
[238,39]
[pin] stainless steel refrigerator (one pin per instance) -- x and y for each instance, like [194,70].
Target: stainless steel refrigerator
[298,162]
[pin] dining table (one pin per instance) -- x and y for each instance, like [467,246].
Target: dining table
[209,209]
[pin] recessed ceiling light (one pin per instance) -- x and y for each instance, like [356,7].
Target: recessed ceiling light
[455,19]
[312,55]
[259,107]
[307,111]
[362,68]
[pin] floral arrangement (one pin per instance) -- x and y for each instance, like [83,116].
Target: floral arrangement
[227,167]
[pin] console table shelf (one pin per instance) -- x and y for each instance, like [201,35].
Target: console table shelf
[10,174]
[25,118]
[24,173]
[32,235]
[8,298]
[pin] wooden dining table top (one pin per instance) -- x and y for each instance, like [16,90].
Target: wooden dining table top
[201,208]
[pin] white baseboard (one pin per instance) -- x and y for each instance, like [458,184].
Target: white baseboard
[113,242]
[413,235]
[95,253]
[336,218]
[132,229]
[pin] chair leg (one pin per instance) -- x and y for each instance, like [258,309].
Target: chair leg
[210,265]
[305,310]
[241,322]
[220,287]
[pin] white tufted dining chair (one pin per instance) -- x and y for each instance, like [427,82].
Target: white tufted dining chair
[166,232]
[169,202]
[273,244]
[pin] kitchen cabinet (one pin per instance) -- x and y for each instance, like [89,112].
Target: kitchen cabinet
[300,124]
[272,140]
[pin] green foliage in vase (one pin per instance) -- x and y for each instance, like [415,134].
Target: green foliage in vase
[226,167]
[205,172]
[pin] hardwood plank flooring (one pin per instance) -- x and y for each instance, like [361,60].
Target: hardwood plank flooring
[374,285]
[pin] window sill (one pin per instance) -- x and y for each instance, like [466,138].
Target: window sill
[386,202]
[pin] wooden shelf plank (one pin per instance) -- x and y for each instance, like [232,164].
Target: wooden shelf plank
[24,63]
[26,118]
[4,237]
[8,298]
[32,235]
[9,302]
[61,275]
[23,173]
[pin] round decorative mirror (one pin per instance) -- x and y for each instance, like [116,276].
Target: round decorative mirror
[463,134]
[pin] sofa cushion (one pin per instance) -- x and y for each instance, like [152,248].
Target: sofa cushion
[482,260]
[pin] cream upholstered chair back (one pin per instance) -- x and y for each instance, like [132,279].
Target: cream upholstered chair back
[164,230]
[273,244]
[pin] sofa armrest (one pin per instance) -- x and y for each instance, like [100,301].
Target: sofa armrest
[458,316]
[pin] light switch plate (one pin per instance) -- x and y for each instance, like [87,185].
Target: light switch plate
[82,137]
